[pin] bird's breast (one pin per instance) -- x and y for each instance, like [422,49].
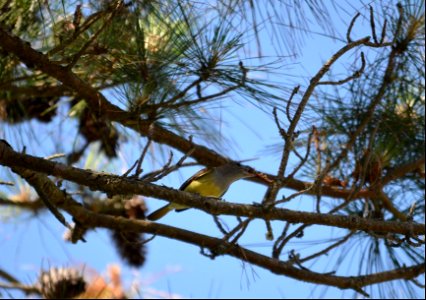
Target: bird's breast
[206,188]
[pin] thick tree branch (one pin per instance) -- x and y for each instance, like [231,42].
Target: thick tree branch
[91,219]
[400,171]
[274,265]
[37,60]
[113,184]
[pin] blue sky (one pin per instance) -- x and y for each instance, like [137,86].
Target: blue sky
[29,244]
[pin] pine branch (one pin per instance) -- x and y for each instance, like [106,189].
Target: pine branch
[113,184]
[91,219]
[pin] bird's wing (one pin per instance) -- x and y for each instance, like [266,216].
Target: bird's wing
[197,175]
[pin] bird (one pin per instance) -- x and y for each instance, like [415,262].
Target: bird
[208,182]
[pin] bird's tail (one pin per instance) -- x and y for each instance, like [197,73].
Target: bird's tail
[159,213]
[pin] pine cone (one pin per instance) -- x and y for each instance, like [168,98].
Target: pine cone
[374,167]
[61,283]
[98,129]
[130,245]
[135,208]
[40,108]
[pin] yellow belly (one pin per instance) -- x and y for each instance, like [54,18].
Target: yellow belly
[204,188]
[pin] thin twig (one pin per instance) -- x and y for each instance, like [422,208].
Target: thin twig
[399,23]
[305,158]
[6,183]
[294,195]
[31,205]
[355,75]
[55,156]
[151,176]
[383,34]
[28,289]
[226,245]
[417,283]
[193,102]
[6,276]
[86,25]
[244,226]
[76,57]
[373,25]
[287,108]
[296,233]
[387,204]
[171,103]
[326,250]
[181,94]
[351,25]
[276,249]
[157,175]
[130,169]
[269,232]
[167,169]
[240,225]
[219,225]
[277,123]
[138,170]
[401,170]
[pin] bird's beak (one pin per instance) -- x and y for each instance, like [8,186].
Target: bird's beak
[252,173]
[263,177]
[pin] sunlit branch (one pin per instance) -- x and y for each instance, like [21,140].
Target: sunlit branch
[123,224]
[111,184]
